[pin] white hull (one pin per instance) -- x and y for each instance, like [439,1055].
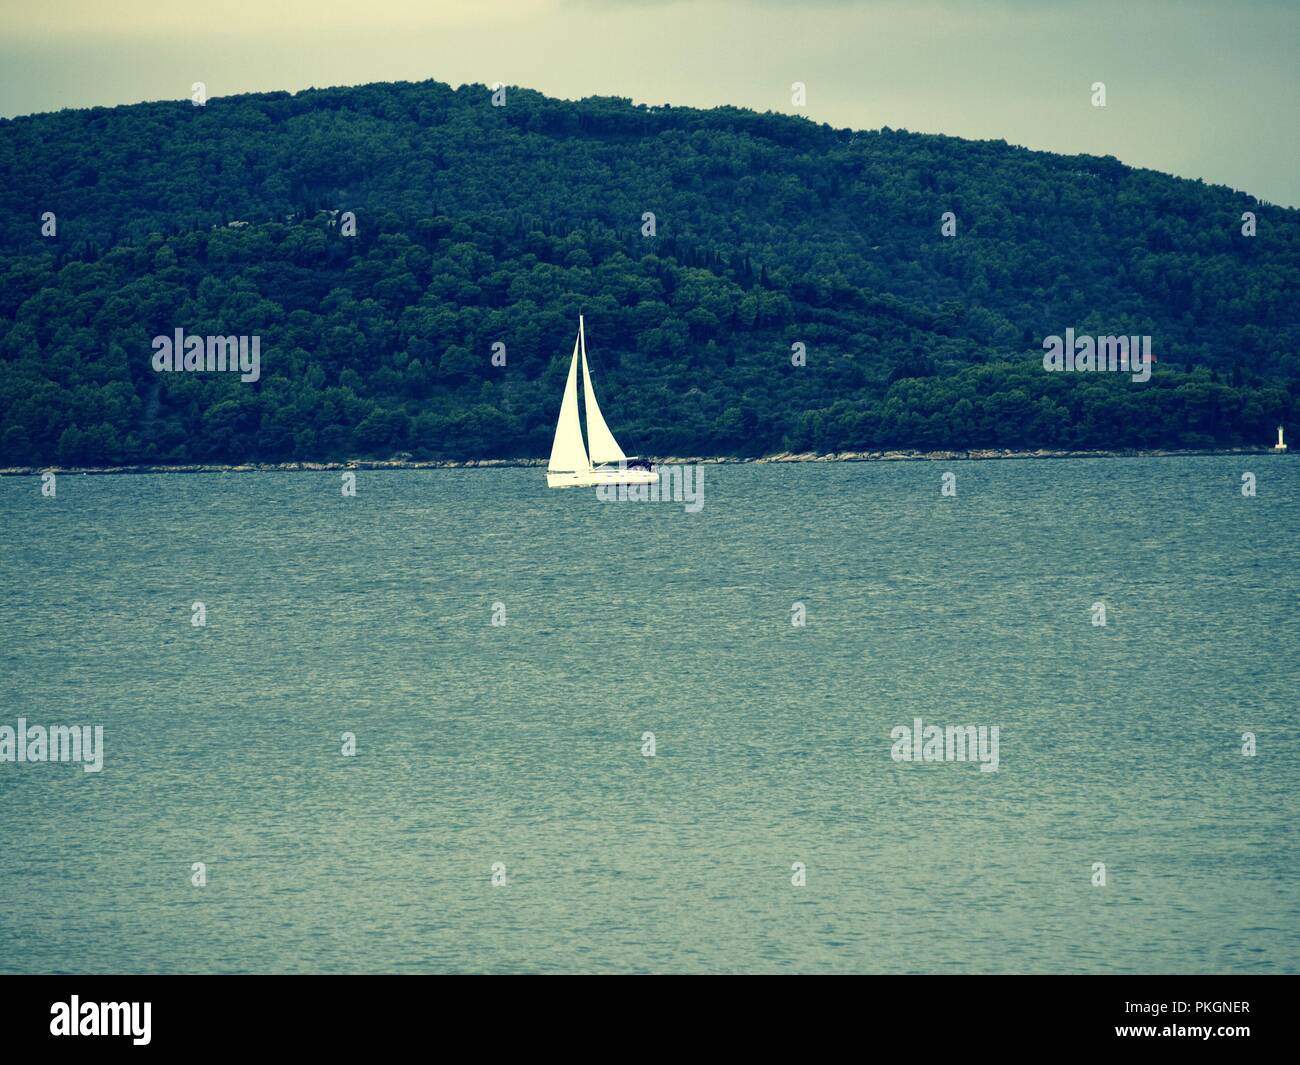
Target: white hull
[591,478]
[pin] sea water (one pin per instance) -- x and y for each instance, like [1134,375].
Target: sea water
[597,736]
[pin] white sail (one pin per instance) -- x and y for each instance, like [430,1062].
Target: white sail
[567,452]
[604,448]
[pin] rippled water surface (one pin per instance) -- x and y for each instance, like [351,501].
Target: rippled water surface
[522,744]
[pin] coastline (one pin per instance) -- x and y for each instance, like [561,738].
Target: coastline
[973,455]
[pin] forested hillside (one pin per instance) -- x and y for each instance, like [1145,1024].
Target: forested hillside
[478,225]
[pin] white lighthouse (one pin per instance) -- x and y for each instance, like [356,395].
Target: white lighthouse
[1280,445]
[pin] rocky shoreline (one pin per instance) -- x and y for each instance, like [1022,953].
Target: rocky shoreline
[981,454]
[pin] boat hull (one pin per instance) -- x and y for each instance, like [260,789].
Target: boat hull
[594,478]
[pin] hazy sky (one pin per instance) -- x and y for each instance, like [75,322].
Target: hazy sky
[1196,88]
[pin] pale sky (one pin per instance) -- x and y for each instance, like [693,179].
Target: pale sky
[1194,87]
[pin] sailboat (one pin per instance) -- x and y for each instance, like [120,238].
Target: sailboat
[572,464]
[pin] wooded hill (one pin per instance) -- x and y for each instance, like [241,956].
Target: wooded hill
[478,225]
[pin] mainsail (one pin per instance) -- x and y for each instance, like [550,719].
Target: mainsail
[567,452]
[604,448]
